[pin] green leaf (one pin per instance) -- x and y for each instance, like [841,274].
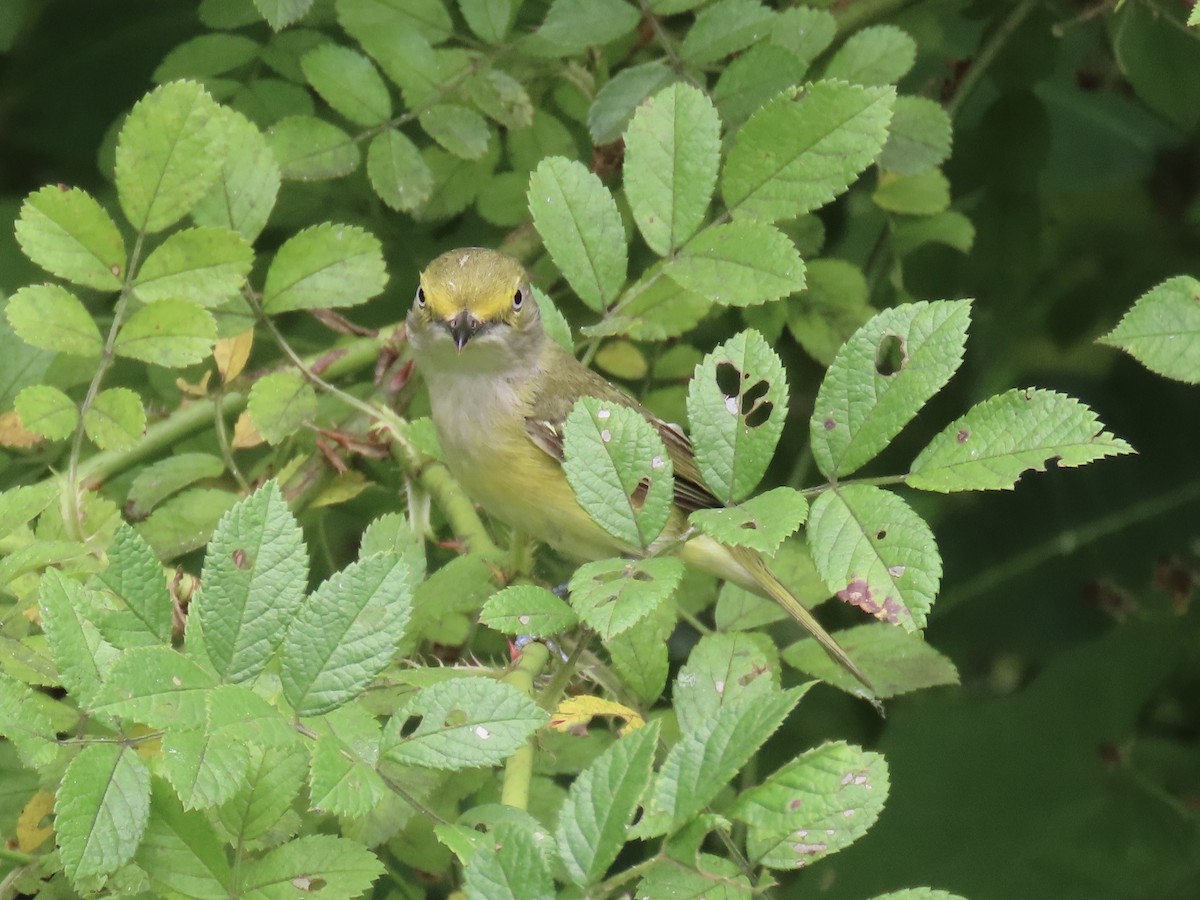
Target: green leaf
[461,131]
[398,172]
[156,686]
[882,377]
[754,77]
[464,723]
[896,661]
[1162,330]
[617,100]
[739,264]
[205,56]
[990,447]
[571,26]
[101,810]
[832,306]
[349,83]
[720,669]
[819,803]
[920,893]
[281,404]
[875,553]
[204,769]
[136,576]
[878,54]
[699,766]
[613,595]
[21,505]
[169,153]
[509,866]
[23,724]
[325,266]
[600,805]
[640,656]
[527,609]
[653,309]
[804,148]
[345,634]
[185,522]
[919,138]
[171,333]
[581,228]
[501,97]
[247,182]
[253,581]
[311,149]
[760,523]
[804,31]
[336,867]
[926,194]
[714,878]
[75,331]
[273,777]
[619,469]
[428,18]
[204,265]
[159,480]
[47,411]
[66,232]
[502,201]
[545,136]
[951,228]
[737,403]
[489,19]
[281,13]
[392,533]
[725,27]
[180,850]
[235,712]
[672,149]
[342,779]
[456,182]
[116,419]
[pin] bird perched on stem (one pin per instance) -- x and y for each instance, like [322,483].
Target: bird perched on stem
[500,392]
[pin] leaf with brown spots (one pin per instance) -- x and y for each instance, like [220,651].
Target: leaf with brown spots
[875,553]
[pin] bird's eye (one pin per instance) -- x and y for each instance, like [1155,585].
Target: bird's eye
[421,297]
[518,299]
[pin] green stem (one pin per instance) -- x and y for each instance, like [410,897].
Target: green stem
[881,481]
[189,420]
[453,502]
[1068,542]
[552,693]
[518,771]
[987,55]
[72,518]
[15,856]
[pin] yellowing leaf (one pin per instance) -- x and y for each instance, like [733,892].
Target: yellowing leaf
[31,834]
[231,354]
[245,434]
[13,434]
[576,711]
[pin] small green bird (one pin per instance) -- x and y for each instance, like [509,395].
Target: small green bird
[500,391]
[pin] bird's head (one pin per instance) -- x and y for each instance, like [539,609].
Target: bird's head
[474,305]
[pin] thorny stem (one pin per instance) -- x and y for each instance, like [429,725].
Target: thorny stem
[557,686]
[518,771]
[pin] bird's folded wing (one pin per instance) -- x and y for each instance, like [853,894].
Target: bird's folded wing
[550,408]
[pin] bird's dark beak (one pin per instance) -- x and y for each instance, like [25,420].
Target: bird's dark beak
[462,328]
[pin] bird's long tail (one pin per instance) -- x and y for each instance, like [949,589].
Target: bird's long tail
[766,580]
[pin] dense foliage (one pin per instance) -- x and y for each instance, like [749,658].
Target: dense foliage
[254,639]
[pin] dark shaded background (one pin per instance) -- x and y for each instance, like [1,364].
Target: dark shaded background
[1067,764]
